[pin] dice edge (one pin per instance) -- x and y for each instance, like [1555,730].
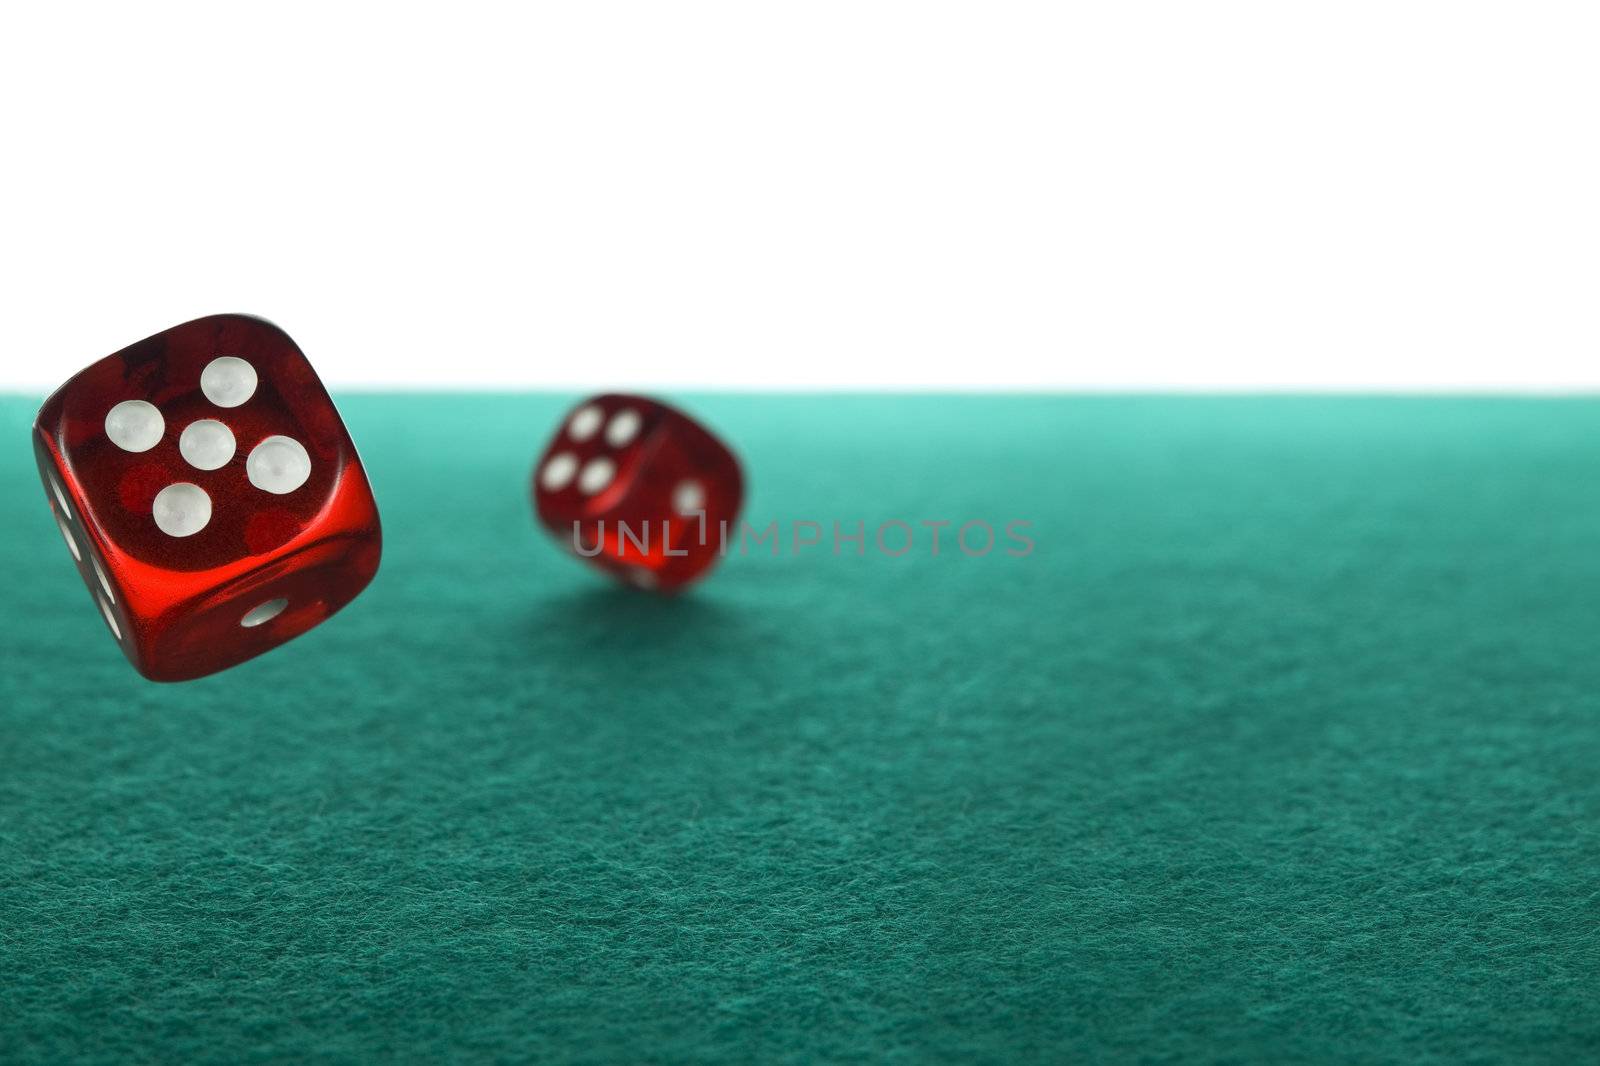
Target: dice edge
[84,522]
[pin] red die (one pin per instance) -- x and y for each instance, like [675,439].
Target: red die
[640,489]
[210,494]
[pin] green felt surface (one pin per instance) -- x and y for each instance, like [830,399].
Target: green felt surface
[1283,746]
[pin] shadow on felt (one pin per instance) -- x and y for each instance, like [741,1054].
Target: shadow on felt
[612,620]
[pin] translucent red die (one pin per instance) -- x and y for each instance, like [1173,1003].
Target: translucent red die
[209,493]
[640,490]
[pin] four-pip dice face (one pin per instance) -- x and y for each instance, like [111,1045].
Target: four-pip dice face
[210,494]
[640,490]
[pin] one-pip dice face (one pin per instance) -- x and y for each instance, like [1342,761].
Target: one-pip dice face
[640,490]
[210,492]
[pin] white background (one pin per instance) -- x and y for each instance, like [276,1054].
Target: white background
[1124,195]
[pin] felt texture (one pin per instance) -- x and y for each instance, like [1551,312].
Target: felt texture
[1282,746]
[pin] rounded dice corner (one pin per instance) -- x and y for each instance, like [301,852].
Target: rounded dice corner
[264,615]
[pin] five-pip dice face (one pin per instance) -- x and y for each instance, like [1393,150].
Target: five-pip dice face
[640,490]
[210,493]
